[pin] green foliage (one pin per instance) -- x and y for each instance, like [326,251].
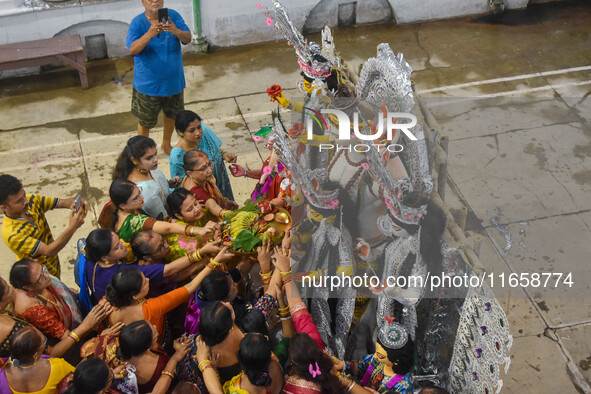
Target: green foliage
[246,241]
[249,206]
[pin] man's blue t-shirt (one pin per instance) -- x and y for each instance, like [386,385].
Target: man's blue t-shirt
[159,66]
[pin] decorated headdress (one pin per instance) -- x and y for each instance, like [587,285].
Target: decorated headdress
[385,81]
[314,60]
[409,214]
[392,335]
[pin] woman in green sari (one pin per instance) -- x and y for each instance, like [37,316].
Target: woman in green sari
[127,221]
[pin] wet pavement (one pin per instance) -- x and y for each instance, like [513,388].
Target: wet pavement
[519,156]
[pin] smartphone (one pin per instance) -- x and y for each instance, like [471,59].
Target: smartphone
[77,202]
[163,15]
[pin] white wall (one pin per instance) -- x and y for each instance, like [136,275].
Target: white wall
[46,23]
[230,22]
[407,11]
[225,22]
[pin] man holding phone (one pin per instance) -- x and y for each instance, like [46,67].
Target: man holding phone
[25,229]
[158,79]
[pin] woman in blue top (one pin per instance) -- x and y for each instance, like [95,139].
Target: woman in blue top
[104,254]
[196,135]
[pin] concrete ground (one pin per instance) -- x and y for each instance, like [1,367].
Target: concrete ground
[519,156]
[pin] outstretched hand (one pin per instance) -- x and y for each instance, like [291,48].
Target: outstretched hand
[286,242]
[282,261]
[224,255]
[210,227]
[237,170]
[264,255]
[211,247]
[229,157]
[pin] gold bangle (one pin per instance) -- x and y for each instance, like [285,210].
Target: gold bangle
[194,257]
[167,373]
[286,279]
[198,252]
[345,381]
[191,257]
[222,213]
[267,275]
[214,263]
[203,363]
[285,273]
[74,336]
[188,230]
[266,281]
[284,309]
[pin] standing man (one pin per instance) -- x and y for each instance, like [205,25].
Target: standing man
[25,229]
[158,77]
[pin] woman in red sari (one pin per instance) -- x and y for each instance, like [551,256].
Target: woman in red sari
[53,299]
[49,305]
[201,183]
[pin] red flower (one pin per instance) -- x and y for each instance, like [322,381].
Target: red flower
[296,130]
[274,91]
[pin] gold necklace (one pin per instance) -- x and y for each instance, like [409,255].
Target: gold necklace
[25,366]
[14,317]
[48,300]
[94,276]
[142,171]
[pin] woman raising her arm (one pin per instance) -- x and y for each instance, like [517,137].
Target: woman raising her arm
[199,181]
[127,222]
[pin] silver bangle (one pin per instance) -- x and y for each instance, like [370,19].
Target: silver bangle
[351,385]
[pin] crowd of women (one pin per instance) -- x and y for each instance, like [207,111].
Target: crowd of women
[165,306]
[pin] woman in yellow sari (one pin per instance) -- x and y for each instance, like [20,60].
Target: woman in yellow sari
[186,210]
